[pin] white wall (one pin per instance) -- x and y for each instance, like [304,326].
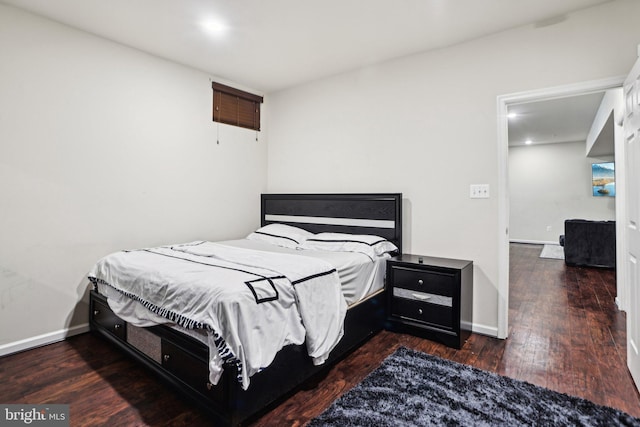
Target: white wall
[425,125]
[549,183]
[601,138]
[103,147]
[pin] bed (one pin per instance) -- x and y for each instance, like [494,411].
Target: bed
[186,348]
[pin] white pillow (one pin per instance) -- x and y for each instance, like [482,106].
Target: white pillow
[370,245]
[281,235]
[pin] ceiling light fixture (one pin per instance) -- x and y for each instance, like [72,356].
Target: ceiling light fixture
[512,115]
[214,26]
[528,142]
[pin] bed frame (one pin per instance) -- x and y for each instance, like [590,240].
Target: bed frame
[182,361]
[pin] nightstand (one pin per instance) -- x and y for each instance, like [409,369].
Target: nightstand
[430,297]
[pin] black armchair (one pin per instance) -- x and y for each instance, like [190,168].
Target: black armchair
[589,243]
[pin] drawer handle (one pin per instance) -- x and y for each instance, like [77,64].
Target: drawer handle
[419,311]
[209,385]
[117,326]
[96,312]
[420,282]
[421,297]
[166,357]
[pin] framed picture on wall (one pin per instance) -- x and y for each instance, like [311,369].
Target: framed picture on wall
[603,179]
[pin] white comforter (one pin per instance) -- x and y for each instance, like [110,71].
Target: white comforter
[251,303]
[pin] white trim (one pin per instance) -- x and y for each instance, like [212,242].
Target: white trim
[503,101]
[534,242]
[379,223]
[44,339]
[484,330]
[503,220]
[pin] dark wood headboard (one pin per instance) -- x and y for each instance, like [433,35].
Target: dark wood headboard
[379,213]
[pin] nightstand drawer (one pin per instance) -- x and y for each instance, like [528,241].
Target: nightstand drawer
[433,282]
[423,297]
[433,314]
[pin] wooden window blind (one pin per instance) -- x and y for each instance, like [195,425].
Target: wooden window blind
[236,107]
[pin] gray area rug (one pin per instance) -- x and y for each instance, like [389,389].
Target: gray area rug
[552,251]
[416,389]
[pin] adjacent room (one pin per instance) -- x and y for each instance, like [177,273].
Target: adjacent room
[153,129]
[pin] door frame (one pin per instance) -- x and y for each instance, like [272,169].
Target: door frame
[503,102]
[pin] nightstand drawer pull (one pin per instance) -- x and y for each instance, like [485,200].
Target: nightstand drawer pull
[420,282]
[423,296]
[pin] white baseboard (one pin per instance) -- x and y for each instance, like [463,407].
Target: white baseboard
[485,330]
[44,339]
[534,242]
[57,336]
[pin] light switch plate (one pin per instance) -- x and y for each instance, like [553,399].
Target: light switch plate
[479,191]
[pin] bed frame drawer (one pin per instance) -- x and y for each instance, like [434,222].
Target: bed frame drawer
[192,370]
[103,316]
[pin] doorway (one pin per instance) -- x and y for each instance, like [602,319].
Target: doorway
[504,102]
[552,145]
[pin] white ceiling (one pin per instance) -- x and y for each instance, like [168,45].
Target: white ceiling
[274,44]
[553,121]
[271,45]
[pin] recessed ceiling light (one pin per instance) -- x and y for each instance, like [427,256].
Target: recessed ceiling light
[528,142]
[512,115]
[214,26]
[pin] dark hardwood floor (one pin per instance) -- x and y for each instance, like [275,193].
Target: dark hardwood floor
[565,334]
